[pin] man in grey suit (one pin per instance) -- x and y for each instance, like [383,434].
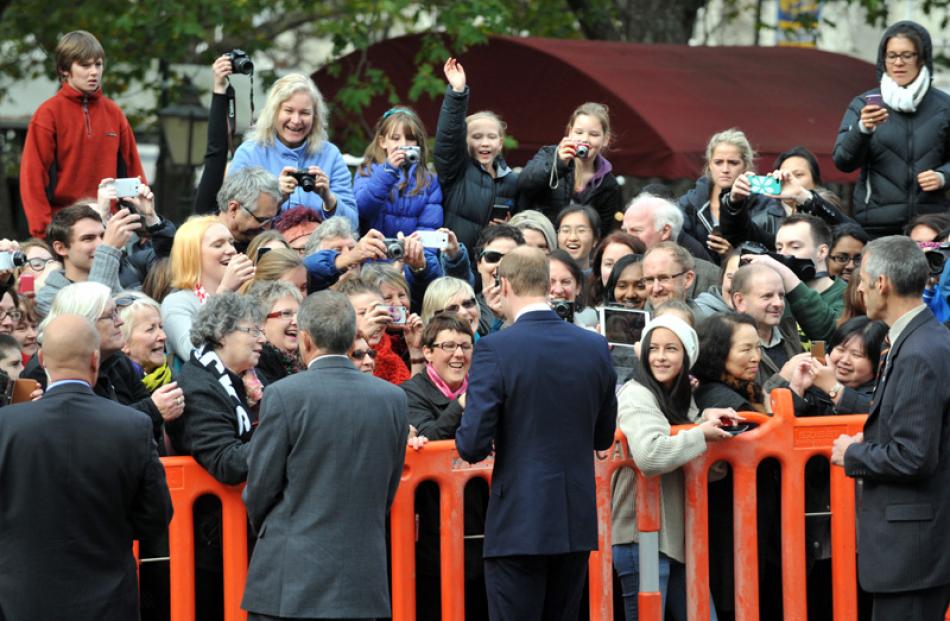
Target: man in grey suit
[324,466]
[903,456]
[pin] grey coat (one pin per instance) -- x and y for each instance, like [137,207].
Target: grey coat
[324,466]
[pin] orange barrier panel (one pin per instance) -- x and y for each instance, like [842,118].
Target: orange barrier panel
[792,442]
[789,440]
[187,481]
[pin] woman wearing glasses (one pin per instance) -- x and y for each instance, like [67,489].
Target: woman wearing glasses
[496,241]
[578,231]
[362,355]
[279,356]
[448,295]
[897,135]
[436,400]
[40,261]
[847,244]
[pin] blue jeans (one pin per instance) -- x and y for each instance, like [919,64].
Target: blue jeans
[672,583]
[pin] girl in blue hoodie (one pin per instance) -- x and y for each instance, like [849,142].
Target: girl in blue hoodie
[395,192]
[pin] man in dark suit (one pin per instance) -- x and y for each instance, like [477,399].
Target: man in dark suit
[903,456]
[543,391]
[324,466]
[80,479]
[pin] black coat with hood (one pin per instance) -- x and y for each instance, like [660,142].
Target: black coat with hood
[468,191]
[887,194]
[604,196]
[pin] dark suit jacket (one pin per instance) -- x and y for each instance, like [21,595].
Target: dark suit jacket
[324,466]
[434,415]
[544,391]
[80,479]
[904,513]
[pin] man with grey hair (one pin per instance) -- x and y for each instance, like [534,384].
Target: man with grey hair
[323,470]
[654,219]
[248,202]
[333,252]
[903,455]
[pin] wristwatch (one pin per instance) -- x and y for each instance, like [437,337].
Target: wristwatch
[837,388]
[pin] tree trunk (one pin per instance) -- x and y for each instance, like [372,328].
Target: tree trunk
[659,21]
[637,21]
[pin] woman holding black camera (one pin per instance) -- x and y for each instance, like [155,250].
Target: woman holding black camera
[293,127]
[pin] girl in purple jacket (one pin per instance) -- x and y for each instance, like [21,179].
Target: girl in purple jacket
[395,192]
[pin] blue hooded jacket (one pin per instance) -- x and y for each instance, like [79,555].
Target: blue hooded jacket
[382,207]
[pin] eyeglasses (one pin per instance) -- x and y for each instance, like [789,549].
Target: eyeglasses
[359,354]
[905,56]
[302,251]
[38,264]
[14,314]
[260,220]
[253,331]
[843,258]
[576,230]
[285,314]
[449,347]
[114,315]
[468,304]
[663,281]
[491,256]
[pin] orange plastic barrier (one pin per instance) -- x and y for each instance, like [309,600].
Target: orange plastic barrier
[791,441]
[187,481]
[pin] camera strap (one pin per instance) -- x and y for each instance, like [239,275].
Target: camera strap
[232,118]
[232,114]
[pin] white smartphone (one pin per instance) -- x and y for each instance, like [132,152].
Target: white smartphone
[126,188]
[433,239]
[622,326]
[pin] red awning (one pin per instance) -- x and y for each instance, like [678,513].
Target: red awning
[665,100]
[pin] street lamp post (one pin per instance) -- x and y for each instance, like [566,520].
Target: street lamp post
[185,137]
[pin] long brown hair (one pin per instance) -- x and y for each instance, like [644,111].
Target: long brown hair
[411,125]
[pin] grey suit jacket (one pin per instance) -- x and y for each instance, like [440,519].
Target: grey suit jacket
[904,514]
[324,466]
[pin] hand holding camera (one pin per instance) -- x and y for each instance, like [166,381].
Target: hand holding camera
[412,254]
[566,149]
[454,75]
[370,247]
[120,228]
[221,69]
[791,188]
[741,188]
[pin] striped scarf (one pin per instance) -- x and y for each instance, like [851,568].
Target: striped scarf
[206,358]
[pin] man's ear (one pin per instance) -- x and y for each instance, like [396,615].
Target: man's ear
[60,249]
[304,344]
[737,301]
[689,278]
[666,233]
[822,252]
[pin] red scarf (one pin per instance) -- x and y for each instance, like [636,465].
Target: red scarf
[444,388]
[201,293]
[389,366]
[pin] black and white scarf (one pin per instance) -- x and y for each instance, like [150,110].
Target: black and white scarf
[207,359]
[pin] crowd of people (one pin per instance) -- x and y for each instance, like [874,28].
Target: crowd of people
[211,327]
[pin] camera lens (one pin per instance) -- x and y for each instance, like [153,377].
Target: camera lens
[582,151]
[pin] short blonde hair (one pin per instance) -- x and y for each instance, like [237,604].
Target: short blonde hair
[128,313]
[439,292]
[186,251]
[487,114]
[527,270]
[736,138]
[283,89]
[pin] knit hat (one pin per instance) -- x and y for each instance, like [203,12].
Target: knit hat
[683,331]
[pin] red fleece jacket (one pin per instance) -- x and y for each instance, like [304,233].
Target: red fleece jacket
[73,142]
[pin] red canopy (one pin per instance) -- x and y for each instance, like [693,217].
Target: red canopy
[665,100]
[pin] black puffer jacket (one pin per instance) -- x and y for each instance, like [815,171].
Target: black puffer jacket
[887,195]
[468,192]
[757,218]
[537,193]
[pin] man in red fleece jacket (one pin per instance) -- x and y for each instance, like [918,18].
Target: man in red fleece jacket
[76,138]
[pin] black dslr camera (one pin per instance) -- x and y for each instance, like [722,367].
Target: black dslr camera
[240,62]
[564,309]
[305,181]
[803,268]
[395,248]
[936,256]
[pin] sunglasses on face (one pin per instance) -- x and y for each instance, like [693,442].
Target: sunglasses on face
[359,354]
[468,304]
[491,256]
